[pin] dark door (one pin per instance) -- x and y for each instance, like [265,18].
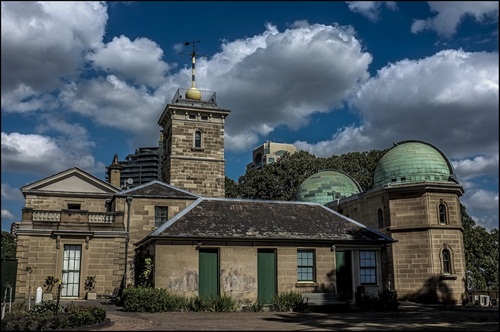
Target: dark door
[266,275]
[208,273]
[344,274]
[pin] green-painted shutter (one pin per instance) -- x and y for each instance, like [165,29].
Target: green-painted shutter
[208,273]
[266,274]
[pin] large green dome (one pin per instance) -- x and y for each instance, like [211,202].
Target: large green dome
[326,186]
[413,161]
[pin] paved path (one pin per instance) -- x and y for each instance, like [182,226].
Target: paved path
[410,317]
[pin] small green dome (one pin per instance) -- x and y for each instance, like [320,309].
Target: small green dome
[413,161]
[326,186]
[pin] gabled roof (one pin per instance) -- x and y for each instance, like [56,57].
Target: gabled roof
[158,189]
[219,218]
[71,181]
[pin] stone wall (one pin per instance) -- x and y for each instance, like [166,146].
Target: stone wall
[238,270]
[411,216]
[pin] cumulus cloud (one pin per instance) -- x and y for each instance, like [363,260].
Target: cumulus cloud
[451,14]
[11,194]
[266,90]
[454,101]
[139,60]
[370,9]
[7,215]
[482,206]
[43,155]
[45,41]
[475,167]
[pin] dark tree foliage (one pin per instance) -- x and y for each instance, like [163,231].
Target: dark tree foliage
[8,245]
[481,254]
[280,180]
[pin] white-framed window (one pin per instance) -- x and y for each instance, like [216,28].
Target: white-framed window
[305,265]
[368,267]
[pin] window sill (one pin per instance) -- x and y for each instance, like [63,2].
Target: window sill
[197,149]
[448,277]
[306,284]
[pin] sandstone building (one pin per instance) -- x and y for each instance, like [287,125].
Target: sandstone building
[404,234]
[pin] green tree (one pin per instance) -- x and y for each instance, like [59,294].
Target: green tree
[8,245]
[279,180]
[481,254]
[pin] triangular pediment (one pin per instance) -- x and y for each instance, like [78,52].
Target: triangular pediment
[159,189]
[73,180]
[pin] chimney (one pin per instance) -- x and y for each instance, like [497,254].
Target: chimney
[114,171]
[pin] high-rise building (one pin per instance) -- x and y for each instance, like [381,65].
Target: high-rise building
[138,168]
[268,153]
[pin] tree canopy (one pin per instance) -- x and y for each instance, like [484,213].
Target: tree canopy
[8,245]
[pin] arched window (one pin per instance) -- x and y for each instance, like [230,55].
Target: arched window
[380,218]
[446,256]
[197,139]
[446,261]
[442,213]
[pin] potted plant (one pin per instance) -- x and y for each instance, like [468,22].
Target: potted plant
[50,282]
[89,286]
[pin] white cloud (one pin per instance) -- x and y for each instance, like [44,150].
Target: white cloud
[44,155]
[266,89]
[482,206]
[7,215]
[370,9]
[11,194]
[451,13]
[476,167]
[453,102]
[44,41]
[139,61]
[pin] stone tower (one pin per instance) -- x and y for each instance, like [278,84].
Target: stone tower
[192,148]
[416,200]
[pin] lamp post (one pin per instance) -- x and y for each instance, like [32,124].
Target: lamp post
[29,269]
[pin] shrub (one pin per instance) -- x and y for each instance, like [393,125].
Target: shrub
[145,299]
[288,301]
[385,300]
[47,315]
[50,282]
[89,284]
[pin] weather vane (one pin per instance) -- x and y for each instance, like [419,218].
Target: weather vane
[193,55]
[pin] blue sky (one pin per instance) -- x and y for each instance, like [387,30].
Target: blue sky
[82,81]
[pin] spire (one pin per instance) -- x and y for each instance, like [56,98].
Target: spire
[193,93]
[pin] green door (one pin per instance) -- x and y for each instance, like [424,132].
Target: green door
[266,275]
[344,274]
[208,273]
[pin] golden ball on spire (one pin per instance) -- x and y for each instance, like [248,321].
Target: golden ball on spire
[193,93]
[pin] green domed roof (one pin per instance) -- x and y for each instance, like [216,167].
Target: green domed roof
[325,186]
[413,161]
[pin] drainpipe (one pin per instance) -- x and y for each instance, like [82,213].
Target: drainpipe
[124,280]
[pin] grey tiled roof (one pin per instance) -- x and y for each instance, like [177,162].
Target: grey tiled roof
[251,219]
[158,189]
